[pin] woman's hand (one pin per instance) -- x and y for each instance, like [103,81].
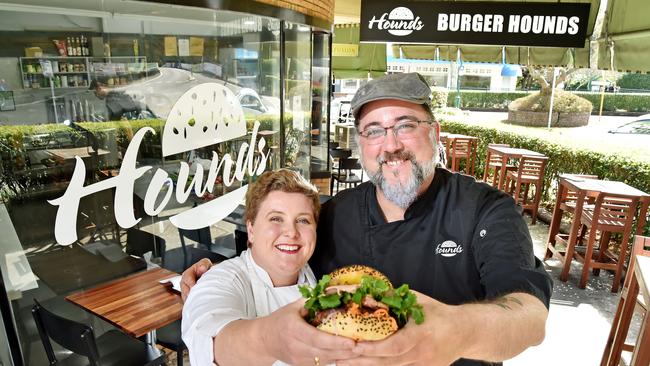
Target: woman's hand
[192,274]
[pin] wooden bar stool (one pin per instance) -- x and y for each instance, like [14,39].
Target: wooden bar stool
[612,213]
[494,164]
[518,183]
[462,148]
[629,302]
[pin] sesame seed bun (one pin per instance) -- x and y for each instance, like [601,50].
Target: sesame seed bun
[351,275]
[373,326]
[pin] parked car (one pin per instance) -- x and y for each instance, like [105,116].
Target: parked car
[252,104]
[641,125]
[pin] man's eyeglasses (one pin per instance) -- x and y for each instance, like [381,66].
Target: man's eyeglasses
[403,130]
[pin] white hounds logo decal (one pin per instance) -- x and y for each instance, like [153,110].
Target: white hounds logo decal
[448,249]
[205,115]
[399,22]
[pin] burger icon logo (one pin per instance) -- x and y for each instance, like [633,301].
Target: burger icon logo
[399,22]
[448,248]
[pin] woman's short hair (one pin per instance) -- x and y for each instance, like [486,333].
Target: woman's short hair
[283,180]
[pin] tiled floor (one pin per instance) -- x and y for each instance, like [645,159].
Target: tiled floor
[579,320]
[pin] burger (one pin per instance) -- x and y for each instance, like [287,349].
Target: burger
[360,302]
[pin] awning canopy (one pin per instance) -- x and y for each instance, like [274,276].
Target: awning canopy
[370,60]
[543,56]
[625,39]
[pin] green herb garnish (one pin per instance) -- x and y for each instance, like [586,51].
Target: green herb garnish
[401,302]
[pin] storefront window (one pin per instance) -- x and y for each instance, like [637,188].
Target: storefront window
[319,112]
[297,97]
[118,97]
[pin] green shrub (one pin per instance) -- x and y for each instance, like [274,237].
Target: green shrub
[634,81]
[613,101]
[619,102]
[563,102]
[439,96]
[484,99]
[561,159]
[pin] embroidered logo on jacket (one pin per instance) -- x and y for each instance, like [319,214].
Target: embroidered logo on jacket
[448,248]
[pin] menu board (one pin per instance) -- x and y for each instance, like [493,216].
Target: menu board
[196,46]
[170,46]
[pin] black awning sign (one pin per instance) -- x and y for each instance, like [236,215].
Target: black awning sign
[490,23]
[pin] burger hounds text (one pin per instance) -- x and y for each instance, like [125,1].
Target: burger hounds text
[537,24]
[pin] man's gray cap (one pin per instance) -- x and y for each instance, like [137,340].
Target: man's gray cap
[409,87]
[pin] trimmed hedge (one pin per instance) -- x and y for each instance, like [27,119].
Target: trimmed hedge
[619,102]
[562,159]
[484,99]
[612,102]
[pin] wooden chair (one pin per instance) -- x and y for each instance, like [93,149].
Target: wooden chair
[345,174]
[530,172]
[629,302]
[111,348]
[494,164]
[462,149]
[612,213]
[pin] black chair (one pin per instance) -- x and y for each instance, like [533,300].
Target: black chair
[345,174]
[111,348]
[202,237]
[169,336]
[337,154]
[139,242]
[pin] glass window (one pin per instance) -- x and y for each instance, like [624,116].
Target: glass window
[320,94]
[169,91]
[297,97]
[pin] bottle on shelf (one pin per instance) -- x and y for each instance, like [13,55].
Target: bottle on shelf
[78,44]
[84,45]
[70,48]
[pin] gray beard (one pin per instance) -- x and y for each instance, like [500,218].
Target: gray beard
[403,194]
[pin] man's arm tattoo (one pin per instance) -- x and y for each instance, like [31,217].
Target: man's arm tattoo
[506,302]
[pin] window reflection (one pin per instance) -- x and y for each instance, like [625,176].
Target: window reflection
[125,73]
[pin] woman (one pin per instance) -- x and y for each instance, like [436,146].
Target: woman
[281,215]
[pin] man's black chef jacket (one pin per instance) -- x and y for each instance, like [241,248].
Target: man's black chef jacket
[461,241]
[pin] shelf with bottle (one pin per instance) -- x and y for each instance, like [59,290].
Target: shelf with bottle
[66,72]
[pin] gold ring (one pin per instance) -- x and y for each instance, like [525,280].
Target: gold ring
[316,361]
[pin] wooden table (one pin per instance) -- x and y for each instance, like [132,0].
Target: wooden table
[71,268]
[137,304]
[586,188]
[508,153]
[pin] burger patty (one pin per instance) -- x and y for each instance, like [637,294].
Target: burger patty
[368,305]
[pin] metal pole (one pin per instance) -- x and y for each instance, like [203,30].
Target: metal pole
[56,115]
[458,66]
[550,108]
[602,98]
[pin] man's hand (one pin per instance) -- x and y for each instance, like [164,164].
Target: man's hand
[491,331]
[192,274]
[433,342]
[282,335]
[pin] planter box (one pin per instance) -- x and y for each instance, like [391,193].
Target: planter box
[540,119]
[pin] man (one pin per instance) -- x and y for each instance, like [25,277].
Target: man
[461,244]
[119,105]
